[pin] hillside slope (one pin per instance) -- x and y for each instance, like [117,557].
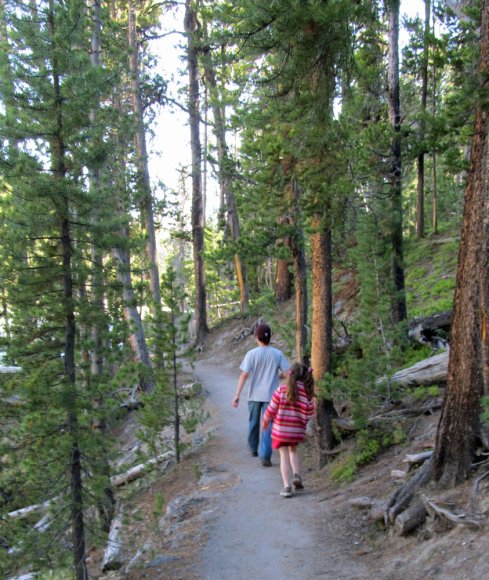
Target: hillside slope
[178,519]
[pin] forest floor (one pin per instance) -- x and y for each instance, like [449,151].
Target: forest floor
[218,514]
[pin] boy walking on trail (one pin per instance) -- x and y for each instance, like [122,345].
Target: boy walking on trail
[290,409]
[263,364]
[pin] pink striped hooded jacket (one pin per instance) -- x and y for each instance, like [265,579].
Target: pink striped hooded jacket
[289,418]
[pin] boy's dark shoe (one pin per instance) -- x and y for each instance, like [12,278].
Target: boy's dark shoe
[266,463]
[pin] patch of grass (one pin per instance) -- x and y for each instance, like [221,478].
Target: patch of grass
[417,273]
[158,505]
[369,444]
[344,469]
[197,471]
[423,392]
[430,275]
[416,353]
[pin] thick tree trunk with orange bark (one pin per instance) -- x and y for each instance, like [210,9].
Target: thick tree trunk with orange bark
[468,370]
[322,333]
[468,367]
[300,279]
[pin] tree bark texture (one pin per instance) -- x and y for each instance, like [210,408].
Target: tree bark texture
[322,333]
[433,153]
[399,309]
[420,225]
[468,371]
[283,280]
[191,28]
[296,242]
[146,201]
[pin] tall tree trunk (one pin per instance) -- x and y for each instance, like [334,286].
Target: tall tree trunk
[58,152]
[106,508]
[144,183]
[420,229]
[399,310]
[226,172]
[94,184]
[137,339]
[300,279]
[322,333]
[122,258]
[283,279]
[191,29]
[468,366]
[433,154]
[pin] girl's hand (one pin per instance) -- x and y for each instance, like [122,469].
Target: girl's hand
[265,424]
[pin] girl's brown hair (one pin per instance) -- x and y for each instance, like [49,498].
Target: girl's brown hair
[299,373]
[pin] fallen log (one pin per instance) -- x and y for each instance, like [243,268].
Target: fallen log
[398,473]
[430,371]
[25,512]
[247,331]
[418,457]
[10,370]
[427,330]
[116,480]
[139,470]
[111,560]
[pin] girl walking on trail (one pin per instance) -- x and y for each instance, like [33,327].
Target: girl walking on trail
[289,411]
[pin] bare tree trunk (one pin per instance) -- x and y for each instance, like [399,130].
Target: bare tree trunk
[122,258]
[322,333]
[137,339]
[191,28]
[468,366]
[144,183]
[433,155]
[300,278]
[399,309]
[94,184]
[226,172]
[420,229]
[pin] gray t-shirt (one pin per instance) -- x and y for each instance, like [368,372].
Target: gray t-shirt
[263,363]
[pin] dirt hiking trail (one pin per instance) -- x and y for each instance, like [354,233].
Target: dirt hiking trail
[256,533]
[223,517]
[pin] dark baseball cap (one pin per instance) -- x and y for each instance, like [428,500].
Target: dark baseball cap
[263,333]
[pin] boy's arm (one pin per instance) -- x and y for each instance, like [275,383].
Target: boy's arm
[284,368]
[241,383]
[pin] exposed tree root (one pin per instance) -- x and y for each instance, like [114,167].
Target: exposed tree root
[411,518]
[473,521]
[401,499]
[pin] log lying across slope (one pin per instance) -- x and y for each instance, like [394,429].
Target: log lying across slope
[430,371]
